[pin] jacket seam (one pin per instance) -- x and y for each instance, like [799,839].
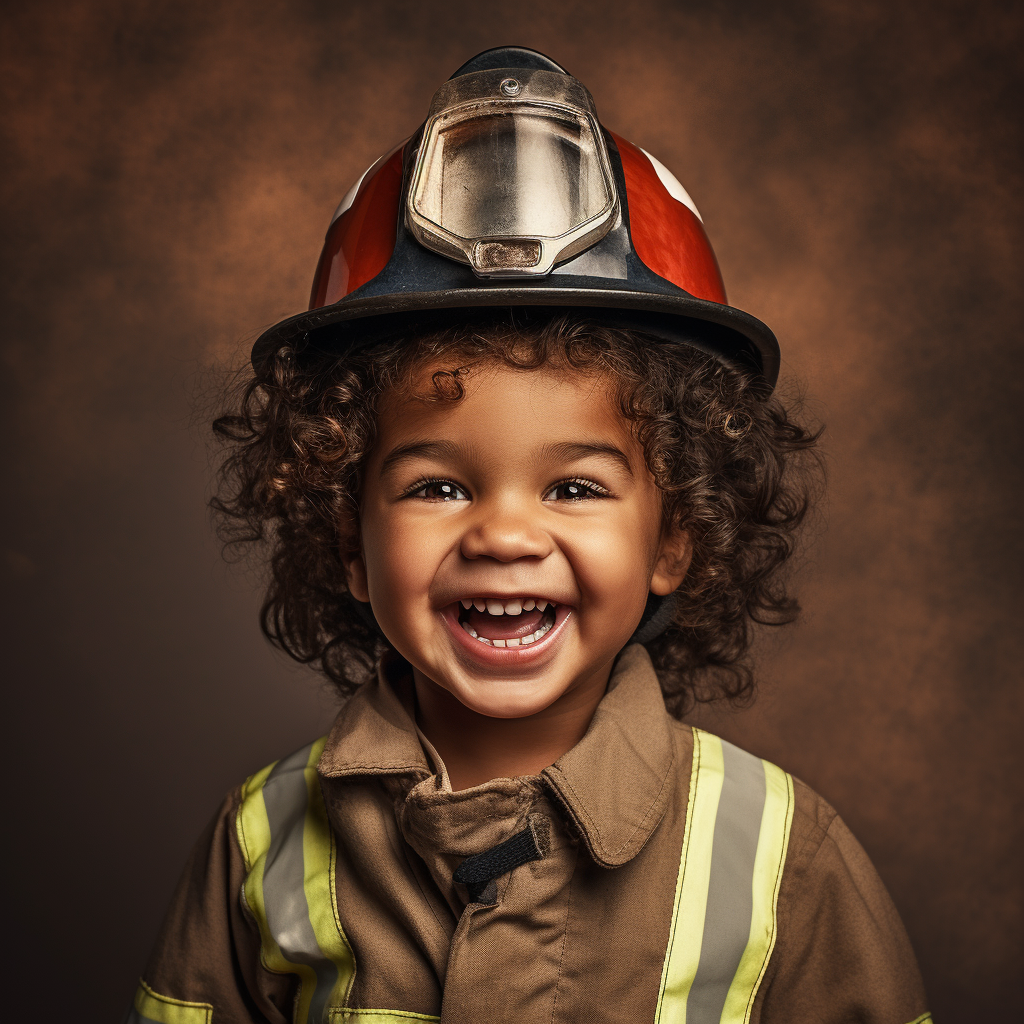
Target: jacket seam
[565,934]
[372,769]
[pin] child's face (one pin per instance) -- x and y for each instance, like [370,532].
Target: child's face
[529,489]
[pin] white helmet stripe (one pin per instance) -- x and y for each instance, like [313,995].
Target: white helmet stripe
[350,196]
[672,185]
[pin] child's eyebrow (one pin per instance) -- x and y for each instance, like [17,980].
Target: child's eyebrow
[563,451]
[415,449]
[573,451]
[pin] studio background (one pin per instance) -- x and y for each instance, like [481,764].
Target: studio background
[170,170]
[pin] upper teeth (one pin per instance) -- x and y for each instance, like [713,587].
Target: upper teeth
[514,607]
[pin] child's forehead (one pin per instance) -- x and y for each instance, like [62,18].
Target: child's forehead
[444,382]
[488,396]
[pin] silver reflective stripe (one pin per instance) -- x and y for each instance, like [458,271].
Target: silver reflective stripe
[730,894]
[288,848]
[724,919]
[285,796]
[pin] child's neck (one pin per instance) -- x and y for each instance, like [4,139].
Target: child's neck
[476,748]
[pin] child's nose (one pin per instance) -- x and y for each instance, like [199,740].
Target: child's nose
[505,533]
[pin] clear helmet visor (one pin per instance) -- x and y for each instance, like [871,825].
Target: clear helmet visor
[511,188]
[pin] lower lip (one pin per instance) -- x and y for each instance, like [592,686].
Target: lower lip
[507,657]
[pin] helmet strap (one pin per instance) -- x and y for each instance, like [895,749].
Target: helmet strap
[657,617]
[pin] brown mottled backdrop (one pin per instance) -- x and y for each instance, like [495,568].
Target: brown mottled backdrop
[170,169]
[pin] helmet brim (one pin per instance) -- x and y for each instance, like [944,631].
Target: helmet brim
[723,331]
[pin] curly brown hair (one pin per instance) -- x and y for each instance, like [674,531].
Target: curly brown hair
[731,463]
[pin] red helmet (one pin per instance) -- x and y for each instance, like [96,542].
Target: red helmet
[512,194]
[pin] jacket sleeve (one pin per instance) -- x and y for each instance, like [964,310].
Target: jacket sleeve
[206,964]
[842,954]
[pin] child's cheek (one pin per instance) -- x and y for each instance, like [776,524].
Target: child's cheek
[613,561]
[403,548]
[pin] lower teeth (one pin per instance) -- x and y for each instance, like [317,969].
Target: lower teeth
[514,642]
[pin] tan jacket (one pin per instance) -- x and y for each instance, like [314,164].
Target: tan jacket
[578,934]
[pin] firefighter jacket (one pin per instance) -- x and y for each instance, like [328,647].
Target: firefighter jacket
[655,873]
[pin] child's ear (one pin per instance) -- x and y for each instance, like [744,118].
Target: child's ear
[355,575]
[674,554]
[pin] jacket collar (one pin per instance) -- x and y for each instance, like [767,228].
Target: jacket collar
[614,785]
[375,733]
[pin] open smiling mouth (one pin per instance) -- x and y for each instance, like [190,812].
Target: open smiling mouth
[519,622]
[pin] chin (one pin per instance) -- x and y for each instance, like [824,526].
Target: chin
[522,702]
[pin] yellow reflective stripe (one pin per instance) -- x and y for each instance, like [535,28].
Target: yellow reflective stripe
[738,819]
[151,1006]
[683,954]
[342,1016]
[254,838]
[772,845]
[255,835]
[319,857]
[925,1018]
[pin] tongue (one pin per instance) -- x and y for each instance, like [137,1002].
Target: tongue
[505,627]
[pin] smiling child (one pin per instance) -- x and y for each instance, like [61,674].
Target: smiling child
[526,488]
[509,541]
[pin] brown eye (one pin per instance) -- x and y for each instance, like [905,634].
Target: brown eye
[572,490]
[440,490]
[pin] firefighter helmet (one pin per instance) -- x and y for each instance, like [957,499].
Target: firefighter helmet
[512,195]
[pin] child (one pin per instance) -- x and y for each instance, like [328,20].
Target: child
[524,482]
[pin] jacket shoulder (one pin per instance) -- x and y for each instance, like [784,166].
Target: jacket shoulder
[206,959]
[280,793]
[842,951]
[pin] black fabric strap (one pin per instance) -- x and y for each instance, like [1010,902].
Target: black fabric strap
[477,873]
